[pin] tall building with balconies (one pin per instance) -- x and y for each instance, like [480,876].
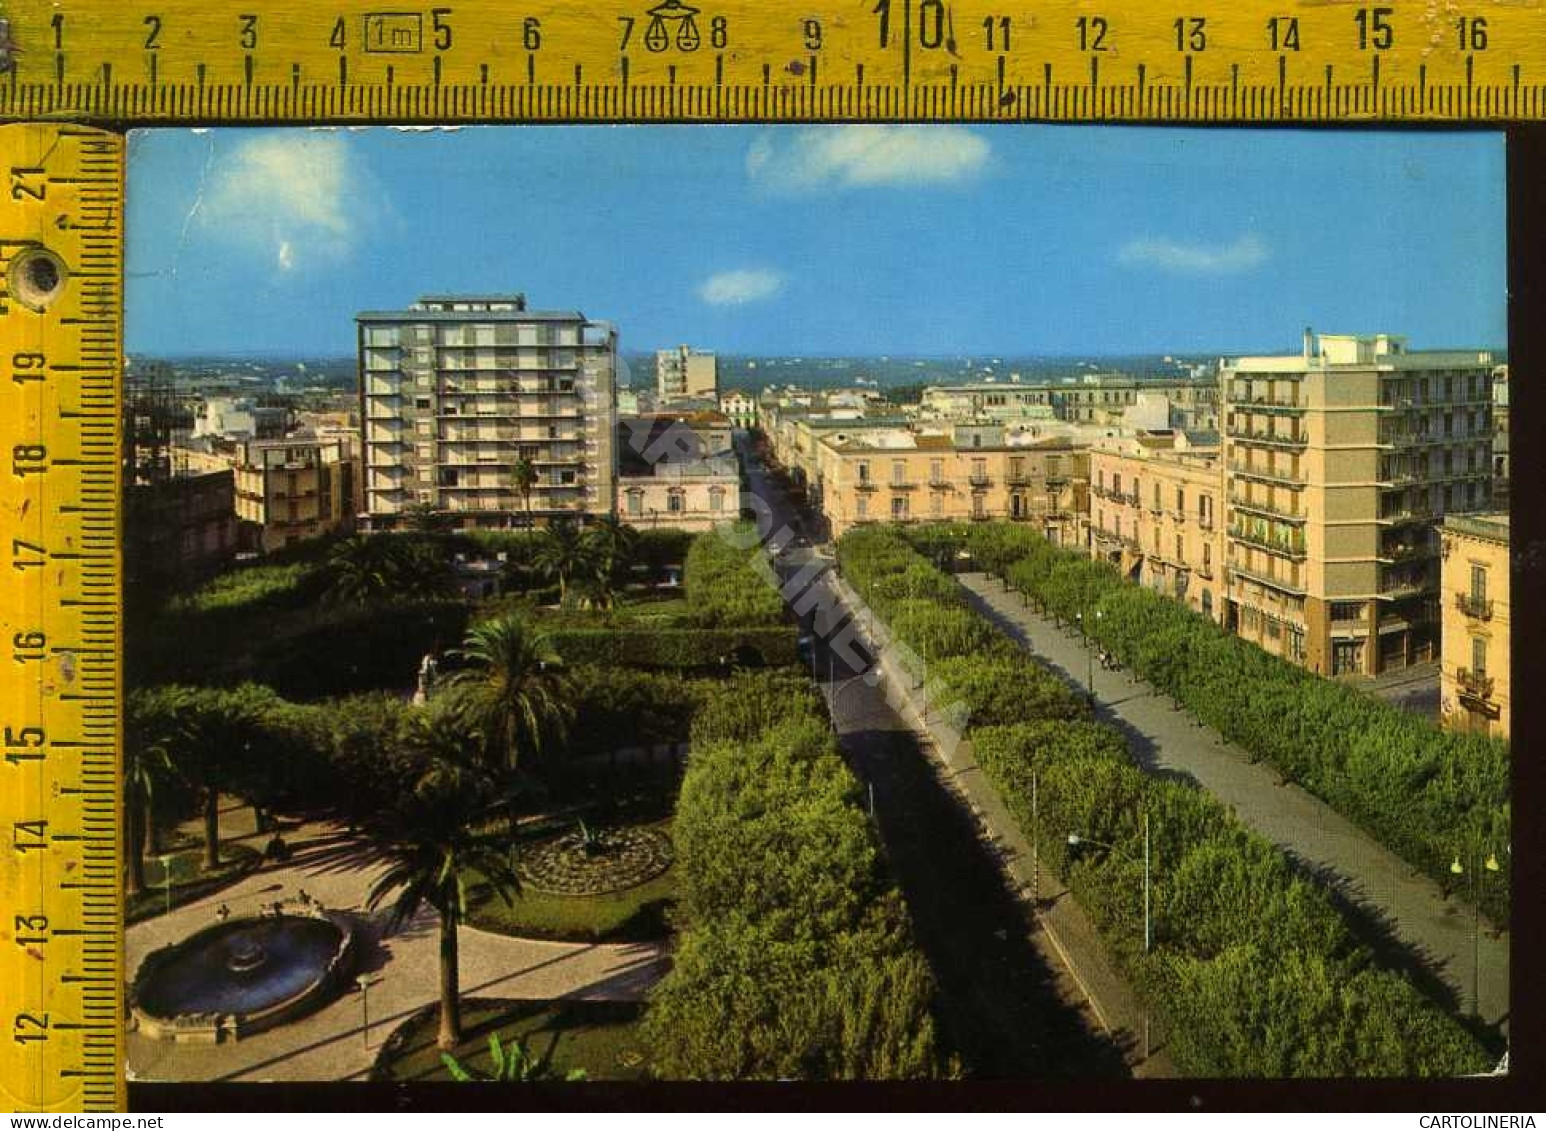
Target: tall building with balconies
[458,390]
[1339,463]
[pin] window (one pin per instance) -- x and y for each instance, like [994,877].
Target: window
[675,502]
[1478,583]
[1180,554]
[1479,655]
[1157,496]
[898,471]
[1207,558]
[1347,610]
[1116,483]
[864,472]
[936,505]
[977,507]
[862,506]
[716,500]
[899,507]
[1346,657]
[1180,500]
[636,502]
[979,470]
[936,471]
[1207,601]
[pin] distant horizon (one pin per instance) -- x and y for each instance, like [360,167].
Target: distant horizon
[829,241]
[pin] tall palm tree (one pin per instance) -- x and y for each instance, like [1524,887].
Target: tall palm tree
[433,836]
[155,727]
[563,554]
[524,476]
[614,543]
[510,692]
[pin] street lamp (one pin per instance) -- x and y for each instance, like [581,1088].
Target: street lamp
[1089,642]
[1473,880]
[365,982]
[166,879]
[1075,840]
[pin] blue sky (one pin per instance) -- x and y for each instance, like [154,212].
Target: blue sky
[848,240]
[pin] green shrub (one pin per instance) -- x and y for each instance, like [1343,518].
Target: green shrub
[796,959]
[723,587]
[706,649]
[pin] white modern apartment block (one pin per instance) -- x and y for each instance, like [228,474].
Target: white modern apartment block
[457,390]
[686,372]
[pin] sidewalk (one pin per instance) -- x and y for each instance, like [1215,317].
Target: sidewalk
[1059,917]
[1434,933]
[333,1043]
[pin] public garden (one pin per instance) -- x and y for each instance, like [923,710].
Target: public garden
[388,820]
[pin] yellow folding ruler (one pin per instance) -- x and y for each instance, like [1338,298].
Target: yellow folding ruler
[74,74]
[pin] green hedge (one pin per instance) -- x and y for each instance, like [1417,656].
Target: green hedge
[796,958]
[677,648]
[1425,793]
[723,588]
[1288,990]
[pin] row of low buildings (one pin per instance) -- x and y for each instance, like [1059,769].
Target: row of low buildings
[1322,521]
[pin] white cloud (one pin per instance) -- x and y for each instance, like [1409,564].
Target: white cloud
[294,198]
[737,288]
[1246,252]
[844,157]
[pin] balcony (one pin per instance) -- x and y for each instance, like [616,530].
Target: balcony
[902,485]
[1017,479]
[1399,589]
[1406,552]
[1264,475]
[1406,514]
[1268,404]
[1269,509]
[979,481]
[1054,481]
[1278,583]
[1474,606]
[865,485]
[1290,547]
[1178,517]
[1130,500]
[1268,439]
[1474,685]
[940,485]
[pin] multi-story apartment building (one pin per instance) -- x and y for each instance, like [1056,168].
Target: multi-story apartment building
[1156,502]
[1339,461]
[1474,677]
[455,391]
[890,474]
[988,400]
[286,490]
[686,372]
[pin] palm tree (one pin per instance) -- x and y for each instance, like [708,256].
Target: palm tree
[433,836]
[524,476]
[564,554]
[614,543]
[369,567]
[155,727]
[510,692]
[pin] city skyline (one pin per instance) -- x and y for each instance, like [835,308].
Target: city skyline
[1136,241]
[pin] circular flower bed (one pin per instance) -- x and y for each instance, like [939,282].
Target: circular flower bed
[596,861]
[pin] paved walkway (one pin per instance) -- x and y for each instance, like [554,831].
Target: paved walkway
[332,1044]
[1436,931]
[1061,926]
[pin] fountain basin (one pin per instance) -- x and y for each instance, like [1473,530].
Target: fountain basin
[241,976]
